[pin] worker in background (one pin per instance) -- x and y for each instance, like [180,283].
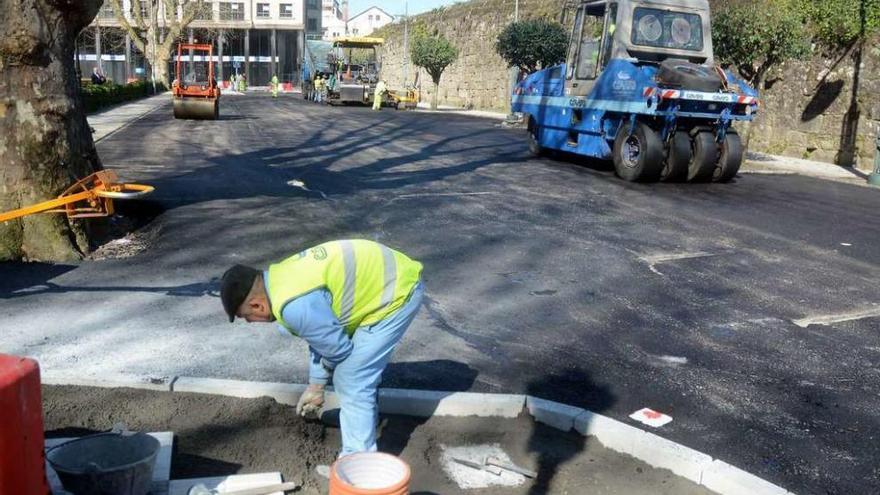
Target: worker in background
[274,83]
[351,301]
[319,87]
[381,88]
[97,76]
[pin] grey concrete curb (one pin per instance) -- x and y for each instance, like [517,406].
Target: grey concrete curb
[714,474]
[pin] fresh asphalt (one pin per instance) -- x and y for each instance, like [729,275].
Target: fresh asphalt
[548,277]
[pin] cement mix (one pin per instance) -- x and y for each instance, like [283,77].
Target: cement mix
[217,436]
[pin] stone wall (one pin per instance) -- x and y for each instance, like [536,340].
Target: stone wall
[806,112]
[479,79]
[803,113]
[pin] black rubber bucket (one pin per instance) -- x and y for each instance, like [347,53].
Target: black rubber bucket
[106,464]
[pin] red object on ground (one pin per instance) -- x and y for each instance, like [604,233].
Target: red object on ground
[22,464]
[286,87]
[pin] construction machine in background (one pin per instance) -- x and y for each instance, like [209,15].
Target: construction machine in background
[357,64]
[317,59]
[195,91]
[640,87]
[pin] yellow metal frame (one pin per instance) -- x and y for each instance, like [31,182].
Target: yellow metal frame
[357,42]
[90,197]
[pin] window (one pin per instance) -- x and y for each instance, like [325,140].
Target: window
[204,12]
[231,11]
[369,18]
[263,11]
[286,11]
[313,24]
[106,12]
[667,29]
[313,3]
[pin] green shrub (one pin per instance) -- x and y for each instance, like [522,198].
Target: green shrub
[839,23]
[531,44]
[757,36]
[97,96]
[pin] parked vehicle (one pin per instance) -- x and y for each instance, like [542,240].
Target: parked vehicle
[640,87]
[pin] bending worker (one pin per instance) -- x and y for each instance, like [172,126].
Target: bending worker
[351,301]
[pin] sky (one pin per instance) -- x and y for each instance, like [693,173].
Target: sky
[396,7]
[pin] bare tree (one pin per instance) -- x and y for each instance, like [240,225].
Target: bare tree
[44,137]
[157,44]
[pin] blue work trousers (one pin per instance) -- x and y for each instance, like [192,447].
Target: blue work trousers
[356,380]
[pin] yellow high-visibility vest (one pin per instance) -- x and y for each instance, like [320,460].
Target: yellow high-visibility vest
[367,280]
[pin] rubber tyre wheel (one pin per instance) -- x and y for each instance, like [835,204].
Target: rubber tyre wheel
[535,147]
[705,158]
[686,75]
[730,159]
[678,156]
[647,165]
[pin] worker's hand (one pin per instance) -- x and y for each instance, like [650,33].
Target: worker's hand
[311,401]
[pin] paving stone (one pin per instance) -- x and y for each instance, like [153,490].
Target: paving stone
[106,380]
[426,403]
[284,393]
[226,483]
[725,479]
[613,434]
[662,453]
[559,416]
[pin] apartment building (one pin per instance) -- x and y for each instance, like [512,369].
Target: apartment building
[333,19]
[256,38]
[368,21]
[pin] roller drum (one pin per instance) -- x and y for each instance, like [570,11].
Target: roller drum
[196,108]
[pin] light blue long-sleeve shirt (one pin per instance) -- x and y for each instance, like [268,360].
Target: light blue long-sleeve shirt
[312,318]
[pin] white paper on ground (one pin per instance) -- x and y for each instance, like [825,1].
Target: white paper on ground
[650,417]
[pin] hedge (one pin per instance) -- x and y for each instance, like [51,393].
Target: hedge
[97,96]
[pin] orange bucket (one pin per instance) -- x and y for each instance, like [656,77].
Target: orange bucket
[369,473]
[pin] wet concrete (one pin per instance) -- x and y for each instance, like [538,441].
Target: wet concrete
[217,436]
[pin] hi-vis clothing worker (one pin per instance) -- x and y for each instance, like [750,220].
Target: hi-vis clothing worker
[381,88]
[274,86]
[352,301]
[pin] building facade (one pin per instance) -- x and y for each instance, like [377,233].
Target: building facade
[254,38]
[367,21]
[333,19]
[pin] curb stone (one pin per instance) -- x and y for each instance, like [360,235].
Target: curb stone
[427,403]
[559,416]
[716,475]
[725,479]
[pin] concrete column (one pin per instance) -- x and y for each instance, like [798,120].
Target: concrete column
[219,67]
[247,54]
[98,48]
[300,54]
[127,58]
[273,52]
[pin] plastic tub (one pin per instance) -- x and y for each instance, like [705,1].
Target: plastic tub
[369,473]
[106,464]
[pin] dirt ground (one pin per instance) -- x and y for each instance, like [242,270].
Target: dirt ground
[217,436]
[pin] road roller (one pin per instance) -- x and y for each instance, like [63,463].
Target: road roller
[195,91]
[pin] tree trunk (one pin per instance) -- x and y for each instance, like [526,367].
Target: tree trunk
[45,140]
[434,96]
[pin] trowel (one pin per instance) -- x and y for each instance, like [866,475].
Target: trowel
[476,465]
[201,489]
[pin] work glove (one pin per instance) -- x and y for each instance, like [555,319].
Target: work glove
[311,401]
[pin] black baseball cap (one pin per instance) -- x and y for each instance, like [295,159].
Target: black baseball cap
[235,286]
